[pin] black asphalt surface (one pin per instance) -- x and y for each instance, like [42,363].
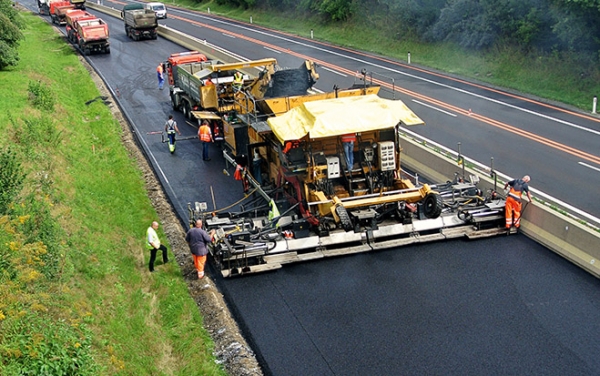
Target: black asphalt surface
[500,306]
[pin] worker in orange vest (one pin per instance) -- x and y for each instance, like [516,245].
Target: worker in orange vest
[348,141]
[513,200]
[205,136]
[161,77]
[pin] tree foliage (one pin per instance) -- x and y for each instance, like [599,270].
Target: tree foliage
[531,25]
[10,34]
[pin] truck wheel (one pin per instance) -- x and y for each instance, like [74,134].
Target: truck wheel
[173,105]
[432,205]
[87,51]
[186,109]
[107,50]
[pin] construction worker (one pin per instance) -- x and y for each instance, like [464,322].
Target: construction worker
[198,240]
[205,136]
[513,200]
[153,244]
[238,81]
[161,77]
[348,141]
[171,128]
[208,82]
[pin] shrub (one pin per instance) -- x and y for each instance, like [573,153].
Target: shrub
[11,178]
[41,96]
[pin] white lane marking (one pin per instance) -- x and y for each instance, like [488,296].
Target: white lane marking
[272,50]
[230,36]
[505,177]
[434,108]
[408,75]
[334,71]
[589,166]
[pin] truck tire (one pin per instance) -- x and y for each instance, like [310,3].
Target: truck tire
[432,205]
[187,111]
[107,50]
[173,105]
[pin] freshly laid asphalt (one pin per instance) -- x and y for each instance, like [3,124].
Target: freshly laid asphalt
[499,306]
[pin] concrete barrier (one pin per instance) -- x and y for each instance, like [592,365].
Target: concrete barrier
[563,235]
[175,36]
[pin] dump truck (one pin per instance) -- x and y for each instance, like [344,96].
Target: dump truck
[71,18]
[43,7]
[140,23]
[87,32]
[78,4]
[57,11]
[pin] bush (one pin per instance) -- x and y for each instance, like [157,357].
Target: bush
[41,96]
[11,179]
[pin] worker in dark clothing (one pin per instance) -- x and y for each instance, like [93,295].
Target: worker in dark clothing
[198,239]
[171,128]
[513,200]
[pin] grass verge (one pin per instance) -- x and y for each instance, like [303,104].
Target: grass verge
[75,293]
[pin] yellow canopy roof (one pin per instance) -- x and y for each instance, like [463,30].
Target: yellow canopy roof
[335,117]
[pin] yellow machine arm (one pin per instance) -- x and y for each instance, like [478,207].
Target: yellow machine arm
[243,65]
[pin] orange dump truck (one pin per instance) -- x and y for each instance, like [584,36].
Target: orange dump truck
[58,10]
[87,32]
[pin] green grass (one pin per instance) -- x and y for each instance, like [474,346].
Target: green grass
[75,294]
[560,78]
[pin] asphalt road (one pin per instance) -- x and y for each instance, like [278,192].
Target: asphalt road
[496,306]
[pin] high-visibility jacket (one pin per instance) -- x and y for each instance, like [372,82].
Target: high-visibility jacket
[350,137]
[151,237]
[159,69]
[238,79]
[204,133]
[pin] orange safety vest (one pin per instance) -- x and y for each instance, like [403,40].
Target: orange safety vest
[159,69]
[350,137]
[204,133]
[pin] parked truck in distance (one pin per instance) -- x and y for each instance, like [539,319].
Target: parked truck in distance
[58,12]
[78,4]
[88,32]
[140,23]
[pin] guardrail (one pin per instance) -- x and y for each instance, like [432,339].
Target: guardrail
[565,235]
[557,230]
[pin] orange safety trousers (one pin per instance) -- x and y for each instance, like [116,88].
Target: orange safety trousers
[513,209]
[199,262]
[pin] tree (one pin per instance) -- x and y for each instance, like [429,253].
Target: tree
[10,34]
